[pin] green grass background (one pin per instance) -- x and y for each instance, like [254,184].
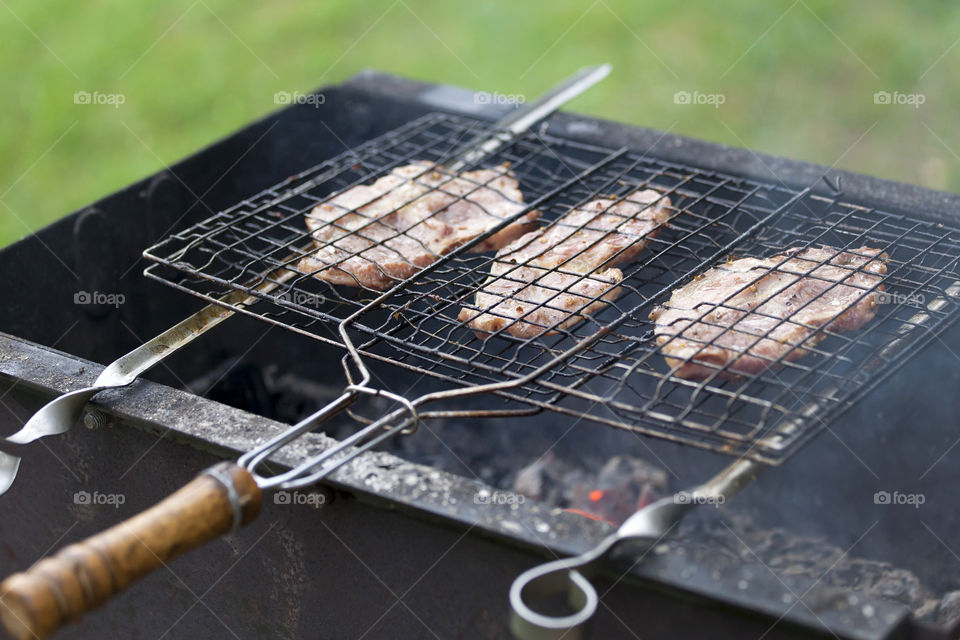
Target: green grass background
[798,77]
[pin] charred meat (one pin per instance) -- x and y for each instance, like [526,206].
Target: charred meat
[746,315]
[379,234]
[552,278]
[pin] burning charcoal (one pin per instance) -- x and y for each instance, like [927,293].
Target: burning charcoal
[626,469]
[623,485]
[616,490]
[547,479]
[530,481]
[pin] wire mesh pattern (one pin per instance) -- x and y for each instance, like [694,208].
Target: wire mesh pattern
[610,369]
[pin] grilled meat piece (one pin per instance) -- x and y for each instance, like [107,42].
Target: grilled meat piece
[377,235]
[552,278]
[749,313]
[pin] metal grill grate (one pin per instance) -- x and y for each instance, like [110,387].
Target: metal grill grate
[613,371]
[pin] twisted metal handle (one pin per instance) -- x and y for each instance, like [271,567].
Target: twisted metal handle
[566,575]
[543,581]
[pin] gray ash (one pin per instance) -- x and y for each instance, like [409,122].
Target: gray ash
[728,534]
[732,533]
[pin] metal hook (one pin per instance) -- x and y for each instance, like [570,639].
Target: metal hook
[9,465]
[554,577]
[359,388]
[836,188]
[569,575]
[647,526]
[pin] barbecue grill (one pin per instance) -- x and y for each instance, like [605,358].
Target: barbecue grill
[608,359]
[616,364]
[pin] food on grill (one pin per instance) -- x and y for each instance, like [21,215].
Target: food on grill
[379,234]
[552,278]
[746,315]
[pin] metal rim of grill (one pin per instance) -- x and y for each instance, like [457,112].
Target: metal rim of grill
[621,378]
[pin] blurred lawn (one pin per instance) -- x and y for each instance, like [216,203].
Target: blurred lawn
[798,79]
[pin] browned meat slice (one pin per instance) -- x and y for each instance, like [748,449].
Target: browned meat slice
[749,313]
[552,278]
[377,235]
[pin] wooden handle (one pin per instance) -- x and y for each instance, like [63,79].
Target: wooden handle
[82,576]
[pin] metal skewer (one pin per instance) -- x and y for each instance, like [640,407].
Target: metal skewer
[59,415]
[81,577]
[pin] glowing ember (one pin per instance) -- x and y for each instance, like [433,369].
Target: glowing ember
[592,516]
[622,485]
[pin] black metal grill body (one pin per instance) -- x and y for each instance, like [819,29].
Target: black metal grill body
[297,574]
